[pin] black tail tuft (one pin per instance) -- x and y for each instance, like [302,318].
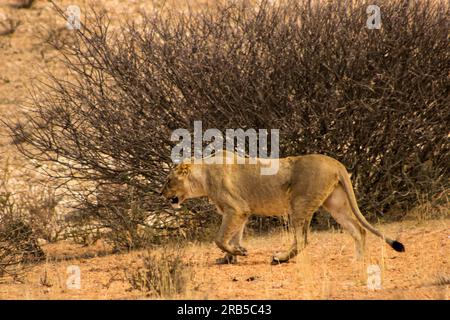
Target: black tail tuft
[397,246]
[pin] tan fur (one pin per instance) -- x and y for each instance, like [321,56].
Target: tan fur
[301,186]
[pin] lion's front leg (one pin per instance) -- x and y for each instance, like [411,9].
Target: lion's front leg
[236,242]
[237,238]
[232,223]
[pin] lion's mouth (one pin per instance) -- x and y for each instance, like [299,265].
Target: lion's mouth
[174,200]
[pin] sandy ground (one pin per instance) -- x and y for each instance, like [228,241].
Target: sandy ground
[325,270]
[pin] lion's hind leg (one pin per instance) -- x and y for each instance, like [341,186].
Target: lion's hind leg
[300,219]
[301,230]
[337,205]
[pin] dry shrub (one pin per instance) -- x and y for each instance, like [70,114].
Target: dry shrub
[24,217]
[431,207]
[18,244]
[120,215]
[40,207]
[377,100]
[82,230]
[35,204]
[163,274]
[116,214]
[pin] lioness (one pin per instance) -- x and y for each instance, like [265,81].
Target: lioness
[301,185]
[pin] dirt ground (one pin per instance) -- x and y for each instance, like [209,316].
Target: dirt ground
[325,270]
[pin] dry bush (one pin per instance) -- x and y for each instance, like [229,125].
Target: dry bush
[434,207]
[82,229]
[59,37]
[39,205]
[374,99]
[115,216]
[163,275]
[35,204]
[18,244]
[24,217]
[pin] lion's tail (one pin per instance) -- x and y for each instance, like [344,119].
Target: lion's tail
[344,179]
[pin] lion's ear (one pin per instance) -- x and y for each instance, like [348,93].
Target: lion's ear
[183,169]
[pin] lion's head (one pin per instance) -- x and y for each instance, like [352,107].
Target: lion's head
[177,187]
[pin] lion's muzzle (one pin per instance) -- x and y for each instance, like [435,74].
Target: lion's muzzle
[174,200]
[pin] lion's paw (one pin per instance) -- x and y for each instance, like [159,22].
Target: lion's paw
[228,259]
[240,251]
[279,258]
[243,250]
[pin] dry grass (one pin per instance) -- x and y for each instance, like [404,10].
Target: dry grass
[163,274]
[431,208]
[325,270]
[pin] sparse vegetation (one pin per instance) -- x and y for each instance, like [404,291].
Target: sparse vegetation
[442,280]
[18,244]
[162,274]
[40,205]
[18,241]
